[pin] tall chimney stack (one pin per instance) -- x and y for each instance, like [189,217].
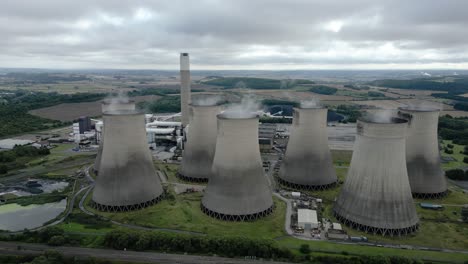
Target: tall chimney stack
[184,87]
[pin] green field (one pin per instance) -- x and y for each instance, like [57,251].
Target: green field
[183,213]
[457,155]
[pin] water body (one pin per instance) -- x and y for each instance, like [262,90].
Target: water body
[14,217]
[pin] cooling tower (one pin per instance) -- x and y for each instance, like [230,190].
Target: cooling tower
[238,190]
[184,87]
[425,174]
[307,163]
[376,196]
[201,143]
[127,178]
[106,106]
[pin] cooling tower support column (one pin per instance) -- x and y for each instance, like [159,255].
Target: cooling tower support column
[201,143]
[376,196]
[425,174]
[238,190]
[308,163]
[184,87]
[127,179]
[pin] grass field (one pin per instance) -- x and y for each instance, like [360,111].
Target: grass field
[458,163]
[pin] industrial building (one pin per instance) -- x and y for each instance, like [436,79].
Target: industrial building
[307,163]
[127,179]
[84,123]
[237,190]
[307,219]
[376,196]
[109,105]
[200,147]
[426,177]
[185,99]
[266,136]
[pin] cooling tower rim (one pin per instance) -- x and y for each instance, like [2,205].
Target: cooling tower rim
[196,105]
[244,117]
[393,120]
[184,54]
[118,101]
[419,109]
[122,113]
[310,108]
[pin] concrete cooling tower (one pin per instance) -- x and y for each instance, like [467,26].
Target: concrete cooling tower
[308,163]
[425,174]
[127,179]
[106,106]
[184,87]
[376,196]
[201,143]
[238,190]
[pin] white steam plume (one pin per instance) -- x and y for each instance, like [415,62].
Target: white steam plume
[312,103]
[248,107]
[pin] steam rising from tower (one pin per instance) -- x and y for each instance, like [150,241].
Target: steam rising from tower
[238,190]
[425,174]
[376,196]
[184,87]
[308,163]
[201,142]
[127,179]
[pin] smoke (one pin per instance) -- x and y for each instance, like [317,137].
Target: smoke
[424,105]
[455,73]
[312,103]
[116,99]
[248,107]
[210,100]
[380,116]
[426,74]
[240,84]
[288,83]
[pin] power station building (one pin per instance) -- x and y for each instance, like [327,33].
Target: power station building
[376,196]
[238,190]
[106,106]
[185,88]
[426,177]
[201,143]
[127,179]
[307,163]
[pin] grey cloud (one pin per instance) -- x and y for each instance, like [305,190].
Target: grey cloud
[242,33]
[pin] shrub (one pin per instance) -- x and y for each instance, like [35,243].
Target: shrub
[465,159]
[456,174]
[304,249]
[56,241]
[448,151]
[450,146]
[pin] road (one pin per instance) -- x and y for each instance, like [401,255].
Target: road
[11,248]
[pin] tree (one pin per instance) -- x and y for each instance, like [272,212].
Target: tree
[465,159]
[464,213]
[56,241]
[3,169]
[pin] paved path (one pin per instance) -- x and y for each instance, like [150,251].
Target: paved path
[11,248]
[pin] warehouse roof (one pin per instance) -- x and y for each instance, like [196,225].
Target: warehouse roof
[10,143]
[307,216]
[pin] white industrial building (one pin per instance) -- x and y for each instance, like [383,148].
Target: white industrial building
[307,219]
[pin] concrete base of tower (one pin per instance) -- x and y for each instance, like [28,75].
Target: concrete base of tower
[430,195]
[305,187]
[377,230]
[191,179]
[236,218]
[125,208]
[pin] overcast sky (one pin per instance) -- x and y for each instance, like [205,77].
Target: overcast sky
[235,34]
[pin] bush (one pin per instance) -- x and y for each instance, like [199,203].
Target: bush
[56,241]
[457,174]
[450,146]
[304,249]
[465,159]
[448,151]
[3,169]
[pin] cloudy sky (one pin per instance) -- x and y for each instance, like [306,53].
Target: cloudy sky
[235,34]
